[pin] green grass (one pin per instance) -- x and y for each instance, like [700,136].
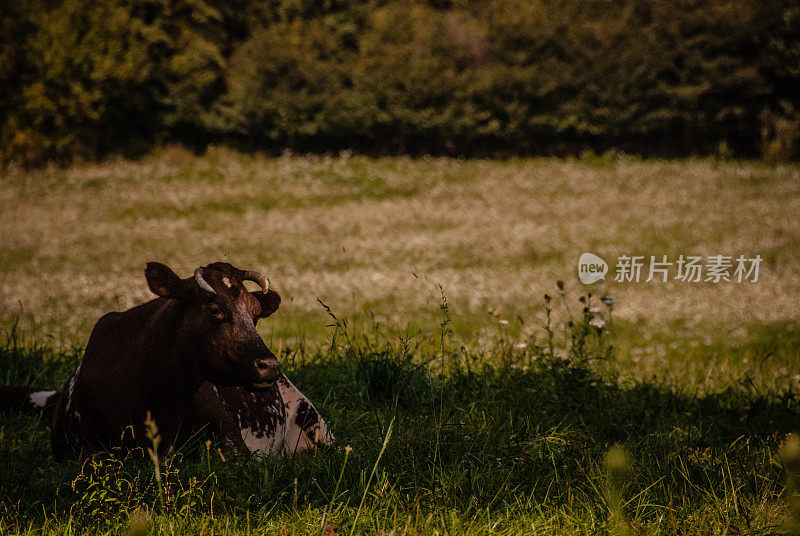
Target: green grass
[491,439]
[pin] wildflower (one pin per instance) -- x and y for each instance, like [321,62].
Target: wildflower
[503,321]
[608,300]
[561,291]
[521,345]
[597,322]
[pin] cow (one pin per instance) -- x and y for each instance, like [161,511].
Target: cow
[190,360]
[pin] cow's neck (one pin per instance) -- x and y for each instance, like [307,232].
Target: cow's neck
[172,375]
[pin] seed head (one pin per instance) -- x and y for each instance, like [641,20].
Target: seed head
[618,466]
[790,453]
[138,523]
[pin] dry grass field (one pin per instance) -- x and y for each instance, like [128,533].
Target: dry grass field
[377,237]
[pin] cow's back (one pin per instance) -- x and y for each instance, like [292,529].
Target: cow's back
[108,391]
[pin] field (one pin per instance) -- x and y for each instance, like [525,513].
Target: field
[414,315]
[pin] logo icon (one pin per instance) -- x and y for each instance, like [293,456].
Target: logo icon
[591,268]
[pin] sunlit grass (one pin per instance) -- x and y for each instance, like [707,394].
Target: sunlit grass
[378,235]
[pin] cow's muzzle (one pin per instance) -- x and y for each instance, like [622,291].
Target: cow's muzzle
[268,371]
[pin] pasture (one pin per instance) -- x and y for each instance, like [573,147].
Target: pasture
[414,316]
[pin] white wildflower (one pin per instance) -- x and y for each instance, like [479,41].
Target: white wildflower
[597,322]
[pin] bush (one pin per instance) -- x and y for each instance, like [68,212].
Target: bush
[85,79]
[290,82]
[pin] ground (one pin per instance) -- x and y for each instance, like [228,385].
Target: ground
[434,272]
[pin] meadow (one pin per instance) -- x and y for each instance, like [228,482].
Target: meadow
[470,393]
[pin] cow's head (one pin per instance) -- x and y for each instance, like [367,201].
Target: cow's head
[219,322]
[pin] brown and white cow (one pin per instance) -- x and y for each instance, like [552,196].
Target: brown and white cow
[193,360]
[277,421]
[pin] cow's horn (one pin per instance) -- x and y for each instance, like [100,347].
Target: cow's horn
[198,276]
[256,277]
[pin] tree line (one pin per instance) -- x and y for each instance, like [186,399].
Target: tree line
[85,78]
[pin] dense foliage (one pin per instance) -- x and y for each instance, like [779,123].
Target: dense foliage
[85,78]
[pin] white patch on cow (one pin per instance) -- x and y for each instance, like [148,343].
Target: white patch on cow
[323,434]
[71,389]
[259,443]
[226,282]
[295,438]
[39,398]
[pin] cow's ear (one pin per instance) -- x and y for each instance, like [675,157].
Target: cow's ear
[163,281]
[269,302]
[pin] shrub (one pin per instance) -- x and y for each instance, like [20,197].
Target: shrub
[85,79]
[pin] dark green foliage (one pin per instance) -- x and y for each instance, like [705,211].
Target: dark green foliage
[87,85]
[82,79]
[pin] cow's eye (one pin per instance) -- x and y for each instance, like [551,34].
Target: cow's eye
[217,313]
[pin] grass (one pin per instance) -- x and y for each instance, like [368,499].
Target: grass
[668,421]
[505,441]
[375,236]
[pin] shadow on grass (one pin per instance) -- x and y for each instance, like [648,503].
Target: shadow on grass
[525,435]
